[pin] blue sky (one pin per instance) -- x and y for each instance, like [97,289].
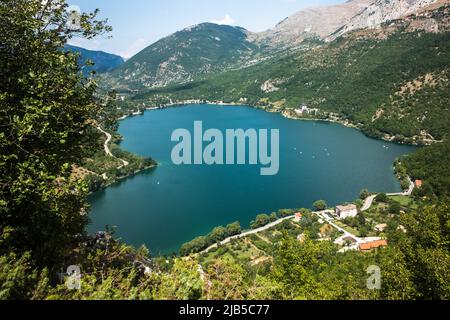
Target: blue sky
[139,23]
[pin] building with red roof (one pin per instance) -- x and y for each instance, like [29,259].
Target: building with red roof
[373,245]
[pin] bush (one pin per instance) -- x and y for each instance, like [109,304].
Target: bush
[394,207]
[382,198]
[364,194]
[320,205]
[260,221]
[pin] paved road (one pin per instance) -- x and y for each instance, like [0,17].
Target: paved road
[255,231]
[407,193]
[369,201]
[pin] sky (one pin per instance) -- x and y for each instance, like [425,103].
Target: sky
[139,23]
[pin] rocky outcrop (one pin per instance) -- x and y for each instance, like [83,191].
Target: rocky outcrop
[313,22]
[268,86]
[382,11]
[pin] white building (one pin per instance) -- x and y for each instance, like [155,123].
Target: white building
[304,110]
[344,212]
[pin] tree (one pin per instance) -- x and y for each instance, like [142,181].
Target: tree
[394,207]
[320,205]
[226,281]
[286,212]
[397,280]
[183,282]
[234,229]
[194,246]
[217,235]
[382,198]
[296,267]
[19,280]
[260,221]
[273,217]
[426,250]
[364,194]
[46,107]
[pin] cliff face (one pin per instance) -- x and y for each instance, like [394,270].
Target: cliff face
[382,11]
[313,22]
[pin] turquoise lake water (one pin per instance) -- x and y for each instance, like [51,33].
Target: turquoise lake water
[170,205]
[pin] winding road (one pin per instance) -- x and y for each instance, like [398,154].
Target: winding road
[255,231]
[247,233]
[108,151]
[321,214]
[369,200]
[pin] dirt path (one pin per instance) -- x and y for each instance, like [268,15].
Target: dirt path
[108,151]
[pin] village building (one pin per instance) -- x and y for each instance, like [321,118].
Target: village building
[298,217]
[346,240]
[373,245]
[349,211]
[304,110]
[418,183]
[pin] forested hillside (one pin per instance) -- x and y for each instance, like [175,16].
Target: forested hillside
[102,61]
[392,83]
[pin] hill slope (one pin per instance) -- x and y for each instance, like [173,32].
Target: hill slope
[198,50]
[103,61]
[392,82]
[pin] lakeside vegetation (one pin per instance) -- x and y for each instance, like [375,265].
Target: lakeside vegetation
[102,170]
[432,165]
[276,264]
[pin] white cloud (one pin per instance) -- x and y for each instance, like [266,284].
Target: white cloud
[226,20]
[96,44]
[85,43]
[134,48]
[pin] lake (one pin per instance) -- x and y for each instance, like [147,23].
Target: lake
[170,205]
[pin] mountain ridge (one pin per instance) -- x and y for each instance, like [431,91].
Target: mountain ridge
[193,51]
[382,11]
[367,78]
[199,50]
[103,61]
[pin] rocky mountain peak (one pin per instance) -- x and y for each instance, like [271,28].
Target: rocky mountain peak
[313,22]
[381,11]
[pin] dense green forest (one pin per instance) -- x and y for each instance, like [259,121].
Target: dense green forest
[431,164]
[47,111]
[104,62]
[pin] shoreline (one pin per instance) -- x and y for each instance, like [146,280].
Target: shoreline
[284,113]
[120,179]
[192,102]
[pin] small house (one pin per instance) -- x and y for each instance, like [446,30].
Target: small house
[349,211]
[373,245]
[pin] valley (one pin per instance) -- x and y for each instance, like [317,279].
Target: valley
[122,179]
